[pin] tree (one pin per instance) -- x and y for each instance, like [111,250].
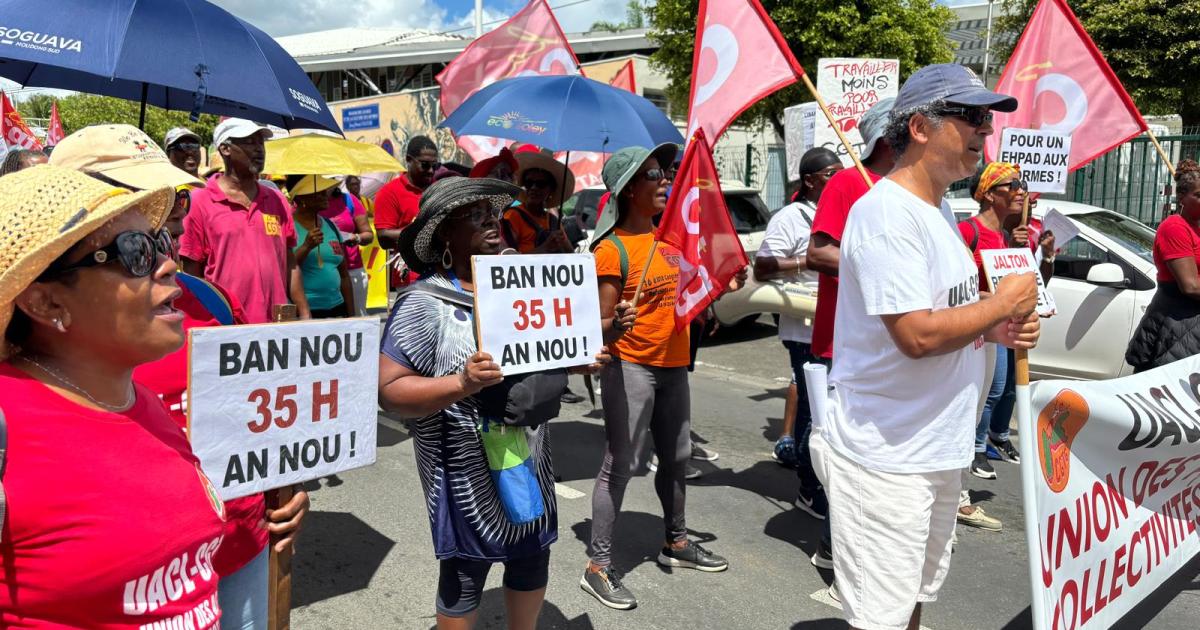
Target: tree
[635,17]
[913,31]
[1152,45]
[81,110]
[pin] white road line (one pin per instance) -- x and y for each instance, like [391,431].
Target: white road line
[823,597]
[567,492]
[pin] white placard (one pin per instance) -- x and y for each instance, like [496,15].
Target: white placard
[799,122]
[1042,156]
[537,312]
[850,86]
[1064,229]
[278,404]
[998,263]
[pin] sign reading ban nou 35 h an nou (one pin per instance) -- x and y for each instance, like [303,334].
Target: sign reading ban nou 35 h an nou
[279,404]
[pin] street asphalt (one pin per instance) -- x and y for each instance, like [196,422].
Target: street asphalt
[365,559]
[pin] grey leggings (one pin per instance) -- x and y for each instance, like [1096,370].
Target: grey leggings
[637,398]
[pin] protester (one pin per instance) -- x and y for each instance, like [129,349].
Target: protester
[530,227]
[782,256]
[183,148]
[430,370]
[645,389]
[907,378]
[239,234]
[397,202]
[349,216]
[320,252]
[101,488]
[502,167]
[1001,195]
[1170,329]
[19,159]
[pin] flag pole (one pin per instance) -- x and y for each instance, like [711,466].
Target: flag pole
[637,295]
[838,130]
[1163,154]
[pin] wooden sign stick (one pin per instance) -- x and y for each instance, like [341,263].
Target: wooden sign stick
[838,130]
[279,564]
[637,295]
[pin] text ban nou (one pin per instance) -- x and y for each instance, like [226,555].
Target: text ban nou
[276,354]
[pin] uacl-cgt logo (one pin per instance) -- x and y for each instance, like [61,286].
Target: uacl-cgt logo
[45,42]
[305,101]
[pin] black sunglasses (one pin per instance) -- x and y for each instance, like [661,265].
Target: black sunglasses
[184,146]
[1016,184]
[544,184]
[478,215]
[136,251]
[974,116]
[424,164]
[654,175]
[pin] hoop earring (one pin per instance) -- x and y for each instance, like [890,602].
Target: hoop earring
[447,258]
[58,325]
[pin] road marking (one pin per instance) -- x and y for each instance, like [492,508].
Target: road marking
[729,374]
[567,492]
[823,597]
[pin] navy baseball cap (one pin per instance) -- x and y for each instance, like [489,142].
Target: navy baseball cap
[951,83]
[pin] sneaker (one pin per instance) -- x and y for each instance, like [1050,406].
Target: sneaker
[991,452]
[834,594]
[693,556]
[1006,450]
[785,451]
[814,503]
[605,585]
[570,398]
[979,519]
[982,468]
[692,471]
[703,454]
[823,558]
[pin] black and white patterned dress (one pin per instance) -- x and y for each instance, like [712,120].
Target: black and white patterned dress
[435,338]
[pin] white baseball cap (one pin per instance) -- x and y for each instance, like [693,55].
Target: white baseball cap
[238,128]
[178,133]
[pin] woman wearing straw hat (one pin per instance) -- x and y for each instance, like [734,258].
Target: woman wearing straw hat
[320,254]
[430,369]
[530,227]
[110,520]
[645,389]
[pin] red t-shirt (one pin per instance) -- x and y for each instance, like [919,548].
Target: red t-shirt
[396,206]
[844,188]
[245,537]
[974,231]
[1176,238]
[111,523]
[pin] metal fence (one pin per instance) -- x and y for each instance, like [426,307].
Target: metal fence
[758,167]
[1132,178]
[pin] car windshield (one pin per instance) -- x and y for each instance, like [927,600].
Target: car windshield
[748,212]
[1134,236]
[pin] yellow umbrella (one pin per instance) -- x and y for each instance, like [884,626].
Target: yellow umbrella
[314,154]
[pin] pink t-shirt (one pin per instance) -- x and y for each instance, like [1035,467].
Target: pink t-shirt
[244,250]
[343,220]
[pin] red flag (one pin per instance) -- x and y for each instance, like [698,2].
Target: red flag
[697,223]
[529,43]
[625,78]
[55,133]
[1063,84]
[740,58]
[13,128]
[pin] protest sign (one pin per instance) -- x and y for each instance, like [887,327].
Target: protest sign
[537,312]
[1114,494]
[799,124]
[850,87]
[279,404]
[1042,155]
[1063,228]
[998,263]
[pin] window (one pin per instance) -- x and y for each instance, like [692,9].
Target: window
[659,98]
[747,211]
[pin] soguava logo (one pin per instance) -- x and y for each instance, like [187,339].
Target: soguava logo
[305,101]
[214,499]
[1058,424]
[515,120]
[53,43]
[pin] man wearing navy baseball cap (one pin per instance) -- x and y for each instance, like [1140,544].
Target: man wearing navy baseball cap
[907,381]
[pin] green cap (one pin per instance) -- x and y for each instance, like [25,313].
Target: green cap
[618,170]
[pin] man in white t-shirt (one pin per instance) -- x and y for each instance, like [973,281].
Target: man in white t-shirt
[908,338]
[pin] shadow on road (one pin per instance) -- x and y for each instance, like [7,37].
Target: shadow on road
[491,615]
[821,624]
[578,449]
[337,554]
[736,334]
[386,436]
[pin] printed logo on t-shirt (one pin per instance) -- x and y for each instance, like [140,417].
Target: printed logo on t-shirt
[172,581]
[214,499]
[271,225]
[967,292]
[336,247]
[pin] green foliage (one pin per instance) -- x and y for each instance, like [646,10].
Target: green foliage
[1152,45]
[913,31]
[81,110]
[635,17]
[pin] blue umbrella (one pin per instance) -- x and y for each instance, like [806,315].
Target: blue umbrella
[563,113]
[185,55]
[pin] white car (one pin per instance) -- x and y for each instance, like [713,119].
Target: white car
[1103,280]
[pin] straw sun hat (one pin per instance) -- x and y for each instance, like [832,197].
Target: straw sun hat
[442,197]
[46,210]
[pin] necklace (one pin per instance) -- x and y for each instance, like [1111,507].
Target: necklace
[61,378]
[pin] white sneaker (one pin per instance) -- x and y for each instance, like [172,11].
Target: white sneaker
[692,471]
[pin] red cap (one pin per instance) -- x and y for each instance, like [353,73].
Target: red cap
[483,168]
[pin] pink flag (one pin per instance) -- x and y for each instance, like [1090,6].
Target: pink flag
[697,223]
[1062,83]
[625,78]
[13,128]
[529,43]
[55,133]
[740,58]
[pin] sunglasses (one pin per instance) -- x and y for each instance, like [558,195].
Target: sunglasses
[544,184]
[137,252]
[425,165]
[1016,184]
[184,146]
[477,216]
[654,175]
[828,172]
[974,116]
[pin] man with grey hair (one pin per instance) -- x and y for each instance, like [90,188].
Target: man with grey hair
[909,366]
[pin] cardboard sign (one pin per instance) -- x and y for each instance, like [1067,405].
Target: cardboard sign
[799,124]
[1042,156]
[537,312]
[850,87]
[279,404]
[998,263]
